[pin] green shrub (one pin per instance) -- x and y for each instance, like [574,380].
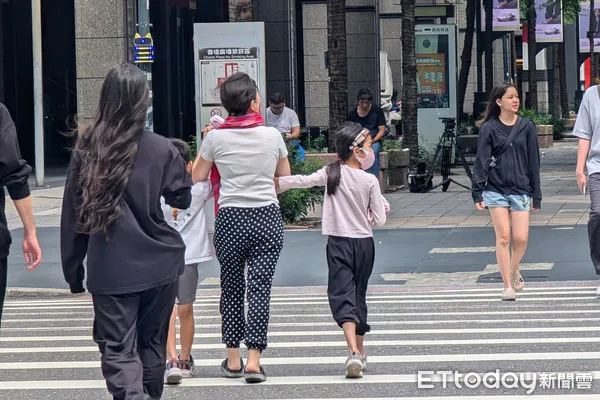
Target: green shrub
[317,144]
[296,203]
[558,128]
[193,143]
[391,144]
[537,117]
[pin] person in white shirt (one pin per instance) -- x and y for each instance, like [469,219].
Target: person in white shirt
[191,225]
[286,121]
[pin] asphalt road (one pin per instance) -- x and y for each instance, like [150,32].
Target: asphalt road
[428,255]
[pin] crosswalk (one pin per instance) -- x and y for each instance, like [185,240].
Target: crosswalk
[446,342]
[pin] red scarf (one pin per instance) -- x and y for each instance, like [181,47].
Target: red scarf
[250,120]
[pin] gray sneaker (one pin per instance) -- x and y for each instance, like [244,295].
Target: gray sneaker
[354,366]
[173,374]
[187,367]
[364,363]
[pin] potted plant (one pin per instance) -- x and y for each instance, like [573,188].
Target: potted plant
[543,126]
[397,161]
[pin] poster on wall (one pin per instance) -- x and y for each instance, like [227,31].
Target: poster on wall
[217,64]
[505,15]
[584,26]
[549,27]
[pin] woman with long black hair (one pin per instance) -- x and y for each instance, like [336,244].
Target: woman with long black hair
[506,179]
[111,213]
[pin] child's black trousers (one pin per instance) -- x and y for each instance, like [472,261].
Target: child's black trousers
[350,262]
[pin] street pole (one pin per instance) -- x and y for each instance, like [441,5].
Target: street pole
[38,91]
[505,53]
[143,26]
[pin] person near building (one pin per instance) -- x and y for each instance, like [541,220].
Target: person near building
[14,175]
[248,227]
[506,180]
[286,121]
[371,117]
[353,203]
[111,213]
[191,225]
[587,129]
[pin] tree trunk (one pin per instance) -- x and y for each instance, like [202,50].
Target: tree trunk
[489,46]
[562,67]
[532,96]
[555,88]
[338,70]
[409,80]
[240,11]
[466,56]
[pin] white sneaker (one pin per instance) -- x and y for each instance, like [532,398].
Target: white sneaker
[598,291]
[508,294]
[173,374]
[354,366]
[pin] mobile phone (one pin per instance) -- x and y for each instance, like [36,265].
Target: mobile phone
[583,189]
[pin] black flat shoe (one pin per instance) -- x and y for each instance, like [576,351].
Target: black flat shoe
[229,373]
[256,377]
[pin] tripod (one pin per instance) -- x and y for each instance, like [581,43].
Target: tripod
[443,157]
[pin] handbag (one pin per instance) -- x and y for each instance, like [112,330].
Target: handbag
[508,142]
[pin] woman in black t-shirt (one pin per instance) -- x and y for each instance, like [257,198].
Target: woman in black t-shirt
[372,118]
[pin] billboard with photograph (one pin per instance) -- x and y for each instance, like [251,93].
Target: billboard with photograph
[549,27]
[584,26]
[505,15]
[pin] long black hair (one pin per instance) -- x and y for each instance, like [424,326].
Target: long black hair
[498,91]
[344,140]
[107,147]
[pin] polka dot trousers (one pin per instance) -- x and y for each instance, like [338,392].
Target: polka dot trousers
[252,236]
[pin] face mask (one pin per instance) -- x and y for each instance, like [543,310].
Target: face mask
[368,161]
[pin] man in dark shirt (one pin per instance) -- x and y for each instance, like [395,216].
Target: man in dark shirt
[372,118]
[14,173]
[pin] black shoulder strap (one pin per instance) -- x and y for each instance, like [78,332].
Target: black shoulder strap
[511,137]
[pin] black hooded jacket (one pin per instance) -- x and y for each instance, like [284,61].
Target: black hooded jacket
[517,169]
[14,173]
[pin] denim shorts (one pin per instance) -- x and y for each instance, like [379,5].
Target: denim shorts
[514,202]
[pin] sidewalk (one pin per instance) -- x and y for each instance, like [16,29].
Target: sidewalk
[561,205]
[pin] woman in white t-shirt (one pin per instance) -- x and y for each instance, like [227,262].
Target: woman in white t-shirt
[248,228]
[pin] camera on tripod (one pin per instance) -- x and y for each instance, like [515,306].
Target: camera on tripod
[449,124]
[421,179]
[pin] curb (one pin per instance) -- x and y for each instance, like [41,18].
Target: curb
[19,292]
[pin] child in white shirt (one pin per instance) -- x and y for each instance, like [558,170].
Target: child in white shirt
[191,225]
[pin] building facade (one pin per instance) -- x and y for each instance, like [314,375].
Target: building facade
[82,39]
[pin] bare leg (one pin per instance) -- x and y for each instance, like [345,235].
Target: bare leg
[253,364]
[172,338]
[500,219]
[360,340]
[186,329]
[350,335]
[520,237]
[233,359]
